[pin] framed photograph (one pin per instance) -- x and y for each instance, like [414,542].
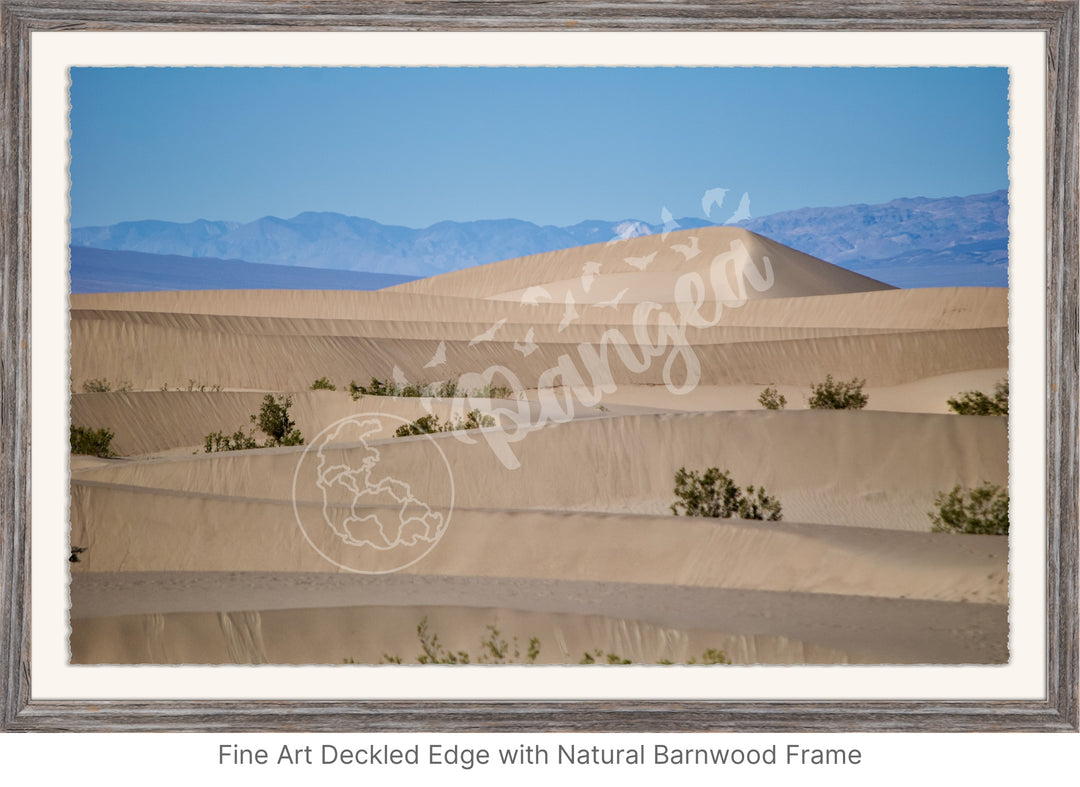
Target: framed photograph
[539,368]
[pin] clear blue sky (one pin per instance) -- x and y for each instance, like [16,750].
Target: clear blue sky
[414,146]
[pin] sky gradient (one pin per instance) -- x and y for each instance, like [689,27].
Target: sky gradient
[414,146]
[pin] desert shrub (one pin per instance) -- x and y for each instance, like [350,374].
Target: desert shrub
[710,656]
[474,419]
[714,494]
[978,403]
[490,391]
[449,389]
[494,649]
[838,395]
[983,510]
[755,504]
[274,421]
[771,399]
[429,424]
[425,424]
[97,385]
[195,385]
[101,385]
[91,442]
[433,651]
[323,384]
[237,441]
[714,656]
[378,387]
[600,657]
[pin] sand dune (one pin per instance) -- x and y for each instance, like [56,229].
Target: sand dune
[151,356]
[159,421]
[761,581]
[262,536]
[558,518]
[651,264]
[872,631]
[926,395]
[849,468]
[944,307]
[148,422]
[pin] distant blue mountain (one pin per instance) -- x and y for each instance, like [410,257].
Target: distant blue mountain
[907,242]
[105,270]
[956,241]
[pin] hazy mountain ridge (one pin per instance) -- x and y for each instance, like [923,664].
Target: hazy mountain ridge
[964,238]
[862,235]
[107,270]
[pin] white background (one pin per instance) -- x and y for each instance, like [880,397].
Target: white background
[887,759]
[933,760]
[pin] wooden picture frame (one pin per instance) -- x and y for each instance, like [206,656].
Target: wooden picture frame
[1058,711]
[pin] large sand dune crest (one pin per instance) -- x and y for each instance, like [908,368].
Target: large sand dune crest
[662,259]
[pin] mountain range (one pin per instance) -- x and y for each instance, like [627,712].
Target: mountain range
[909,242]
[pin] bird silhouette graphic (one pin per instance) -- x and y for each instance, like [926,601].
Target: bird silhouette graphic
[742,212]
[533,295]
[528,347]
[614,302]
[489,334]
[570,314]
[641,263]
[710,198]
[669,223]
[689,251]
[588,274]
[439,358]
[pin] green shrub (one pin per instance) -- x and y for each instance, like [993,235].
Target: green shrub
[101,385]
[771,399]
[429,424]
[274,421]
[450,389]
[715,494]
[97,385]
[425,424]
[91,442]
[710,656]
[978,403]
[323,384]
[600,657]
[237,441]
[388,388]
[837,395]
[714,656]
[433,651]
[758,505]
[983,510]
[490,391]
[495,649]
